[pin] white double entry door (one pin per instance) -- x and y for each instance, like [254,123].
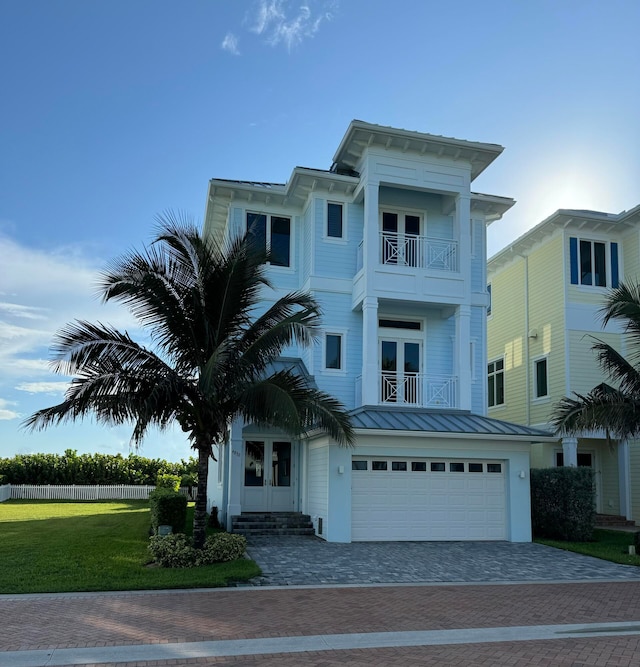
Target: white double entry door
[268,476]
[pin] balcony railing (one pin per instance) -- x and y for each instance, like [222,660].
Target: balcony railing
[418,251]
[428,391]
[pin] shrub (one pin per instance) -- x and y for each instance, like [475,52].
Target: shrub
[222,547]
[166,480]
[172,550]
[563,503]
[168,508]
[178,551]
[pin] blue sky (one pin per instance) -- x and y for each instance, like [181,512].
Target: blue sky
[113,111]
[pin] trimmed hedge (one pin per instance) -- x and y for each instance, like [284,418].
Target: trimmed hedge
[563,503]
[168,508]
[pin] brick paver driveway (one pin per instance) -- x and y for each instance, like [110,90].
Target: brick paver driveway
[308,560]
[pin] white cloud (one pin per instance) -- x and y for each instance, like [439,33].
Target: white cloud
[280,24]
[24,312]
[230,44]
[5,413]
[43,387]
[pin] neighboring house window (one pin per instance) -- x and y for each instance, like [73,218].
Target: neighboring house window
[333,350]
[540,378]
[496,382]
[273,233]
[589,262]
[489,293]
[334,220]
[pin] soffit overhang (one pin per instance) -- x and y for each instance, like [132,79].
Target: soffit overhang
[577,221]
[293,194]
[360,136]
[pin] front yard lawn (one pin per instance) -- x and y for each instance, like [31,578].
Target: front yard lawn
[52,547]
[610,545]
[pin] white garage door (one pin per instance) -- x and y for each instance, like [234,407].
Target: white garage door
[427,499]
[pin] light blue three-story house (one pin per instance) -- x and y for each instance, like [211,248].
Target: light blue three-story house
[391,242]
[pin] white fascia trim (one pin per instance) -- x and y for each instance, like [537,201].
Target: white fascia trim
[458,436]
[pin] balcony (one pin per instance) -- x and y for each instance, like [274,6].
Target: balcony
[420,252]
[414,390]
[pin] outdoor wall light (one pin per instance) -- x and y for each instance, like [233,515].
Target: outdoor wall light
[341,470]
[522,474]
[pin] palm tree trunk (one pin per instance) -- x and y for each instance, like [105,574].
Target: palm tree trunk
[200,514]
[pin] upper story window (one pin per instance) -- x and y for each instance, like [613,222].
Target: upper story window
[334,221]
[333,351]
[490,301]
[272,232]
[593,263]
[541,378]
[495,382]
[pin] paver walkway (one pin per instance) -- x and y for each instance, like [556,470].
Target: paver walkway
[176,621]
[311,561]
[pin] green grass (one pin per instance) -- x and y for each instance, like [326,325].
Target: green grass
[609,545]
[52,547]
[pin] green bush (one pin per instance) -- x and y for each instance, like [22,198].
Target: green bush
[178,551]
[172,550]
[222,547]
[168,481]
[74,468]
[168,508]
[3,480]
[563,503]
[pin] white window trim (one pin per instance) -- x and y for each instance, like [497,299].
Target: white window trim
[504,382]
[607,261]
[534,362]
[343,351]
[489,291]
[342,240]
[292,241]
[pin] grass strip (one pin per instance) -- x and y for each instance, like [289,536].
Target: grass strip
[611,545]
[53,547]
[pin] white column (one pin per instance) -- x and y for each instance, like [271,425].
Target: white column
[463,223]
[370,366]
[570,451]
[236,471]
[463,355]
[624,478]
[371,236]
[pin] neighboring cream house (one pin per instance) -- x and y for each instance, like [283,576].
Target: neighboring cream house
[546,289]
[391,242]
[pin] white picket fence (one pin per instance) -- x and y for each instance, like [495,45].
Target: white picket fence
[81,492]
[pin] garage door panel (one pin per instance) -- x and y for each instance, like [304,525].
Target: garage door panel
[414,504]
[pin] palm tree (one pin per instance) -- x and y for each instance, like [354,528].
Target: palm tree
[210,357]
[614,408]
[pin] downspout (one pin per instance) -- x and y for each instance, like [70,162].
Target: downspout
[526,339]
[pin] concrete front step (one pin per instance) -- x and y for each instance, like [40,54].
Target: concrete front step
[604,520]
[276,523]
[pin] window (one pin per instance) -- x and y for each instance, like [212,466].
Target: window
[334,220]
[589,262]
[333,351]
[418,466]
[378,465]
[273,233]
[495,379]
[358,465]
[540,378]
[401,238]
[489,293]
[494,467]
[400,466]
[476,467]
[456,467]
[437,467]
